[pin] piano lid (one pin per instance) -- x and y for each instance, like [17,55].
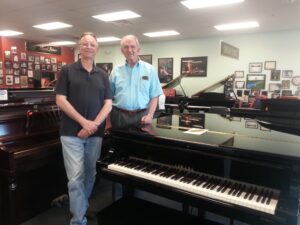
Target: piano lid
[232,134]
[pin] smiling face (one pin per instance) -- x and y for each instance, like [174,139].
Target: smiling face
[130,49]
[88,47]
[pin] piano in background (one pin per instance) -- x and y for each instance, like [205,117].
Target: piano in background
[31,165]
[205,97]
[236,168]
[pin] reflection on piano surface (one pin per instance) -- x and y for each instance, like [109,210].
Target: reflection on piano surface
[246,174]
[31,165]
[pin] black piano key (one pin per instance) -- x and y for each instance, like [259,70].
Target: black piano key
[253,193]
[236,190]
[260,195]
[270,197]
[222,185]
[266,193]
[232,189]
[228,185]
[241,190]
[248,192]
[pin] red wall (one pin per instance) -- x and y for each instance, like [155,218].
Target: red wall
[67,57]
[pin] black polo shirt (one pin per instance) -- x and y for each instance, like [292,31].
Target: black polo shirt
[86,92]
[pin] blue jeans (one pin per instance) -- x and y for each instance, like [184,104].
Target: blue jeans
[80,157]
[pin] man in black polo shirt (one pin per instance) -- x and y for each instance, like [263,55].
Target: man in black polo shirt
[84,95]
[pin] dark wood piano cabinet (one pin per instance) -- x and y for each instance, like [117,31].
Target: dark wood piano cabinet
[31,165]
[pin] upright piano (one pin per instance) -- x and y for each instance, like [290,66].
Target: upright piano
[31,165]
[207,96]
[232,166]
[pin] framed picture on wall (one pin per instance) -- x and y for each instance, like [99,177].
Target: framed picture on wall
[239,74]
[296,80]
[286,93]
[255,67]
[194,66]
[285,84]
[287,73]
[165,69]
[239,84]
[275,75]
[274,87]
[270,65]
[107,67]
[146,58]
[256,82]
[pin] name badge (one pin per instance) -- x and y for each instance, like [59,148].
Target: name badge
[145,78]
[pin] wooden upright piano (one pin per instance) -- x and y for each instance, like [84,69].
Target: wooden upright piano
[232,166]
[31,165]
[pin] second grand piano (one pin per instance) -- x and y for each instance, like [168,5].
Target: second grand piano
[226,165]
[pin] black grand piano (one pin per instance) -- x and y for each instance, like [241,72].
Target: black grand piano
[236,167]
[205,97]
[31,165]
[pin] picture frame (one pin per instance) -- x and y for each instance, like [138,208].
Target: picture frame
[256,82]
[165,69]
[296,81]
[255,67]
[286,93]
[17,80]
[194,66]
[53,60]
[287,74]
[23,56]
[285,84]
[47,60]
[229,50]
[164,122]
[270,65]
[252,124]
[107,67]
[146,58]
[240,84]
[273,87]
[239,74]
[30,58]
[24,81]
[9,80]
[275,75]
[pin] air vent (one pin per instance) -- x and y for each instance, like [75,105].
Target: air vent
[63,37]
[122,23]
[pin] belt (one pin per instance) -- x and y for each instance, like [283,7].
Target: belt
[129,112]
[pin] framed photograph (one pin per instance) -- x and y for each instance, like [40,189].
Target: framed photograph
[239,84]
[275,75]
[287,73]
[146,58]
[23,71]
[47,61]
[107,67]
[275,95]
[229,50]
[30,65]
[270,65]
[7,54]
[59,65]
[296,80]
[285,84]
[194,66]
[24,81]
[252,124]
[286,93]
[16,65]
[37,59]
[255,67]
[1,81]
[42,59]
[165,69]
[23,64]
[256,82]
[37,67]
[54,67]
[239,74]
[16,72]
[23,56]
[30,73]
[9,80]
[53,60]
[13,49]
[239,93]
[274,87]
[31,58]
[17,80]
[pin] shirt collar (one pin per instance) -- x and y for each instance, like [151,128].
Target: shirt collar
[79,66]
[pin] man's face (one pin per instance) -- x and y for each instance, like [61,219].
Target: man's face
[88,47]
[130,50]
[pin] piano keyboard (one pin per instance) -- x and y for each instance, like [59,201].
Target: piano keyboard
[227,190]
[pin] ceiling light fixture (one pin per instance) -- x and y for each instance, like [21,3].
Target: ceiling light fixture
[196,4]
[108,39]
[237,26]
[62,43]
[162,33]
[115,16]
[7,33]
[52,26]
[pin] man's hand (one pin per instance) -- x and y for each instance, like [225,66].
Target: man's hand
[147,119]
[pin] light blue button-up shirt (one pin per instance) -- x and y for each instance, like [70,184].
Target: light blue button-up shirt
[133,88]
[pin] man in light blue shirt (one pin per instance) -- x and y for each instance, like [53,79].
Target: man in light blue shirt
[135,84]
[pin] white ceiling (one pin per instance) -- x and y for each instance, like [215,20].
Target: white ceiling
[21,15]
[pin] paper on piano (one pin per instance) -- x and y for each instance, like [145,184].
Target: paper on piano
[196,131]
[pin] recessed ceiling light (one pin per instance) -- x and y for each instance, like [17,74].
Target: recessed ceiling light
[62,43]
[52,26]
[196,4]
[237,26]
[6,33]
[162,33]
[108,39]
[121,15]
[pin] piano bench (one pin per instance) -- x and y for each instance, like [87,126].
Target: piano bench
[133,211]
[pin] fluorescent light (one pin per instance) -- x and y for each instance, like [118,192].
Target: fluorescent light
[59,43]
[6,33]
[121,15]
[196,4]
[108,39]
[52,26]
[162,33]
[236,26]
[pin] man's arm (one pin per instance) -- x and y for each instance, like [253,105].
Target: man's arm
[151,110]
[69,110]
